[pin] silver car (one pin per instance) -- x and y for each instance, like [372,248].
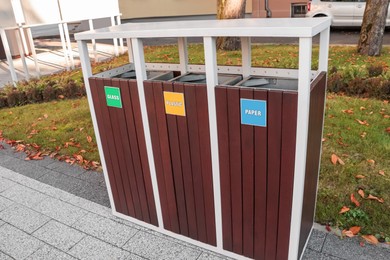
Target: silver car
[348,13]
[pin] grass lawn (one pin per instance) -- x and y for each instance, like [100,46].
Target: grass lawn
[355,135]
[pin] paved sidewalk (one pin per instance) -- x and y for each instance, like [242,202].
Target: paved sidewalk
[51,210]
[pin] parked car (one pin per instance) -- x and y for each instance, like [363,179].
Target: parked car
[346,13]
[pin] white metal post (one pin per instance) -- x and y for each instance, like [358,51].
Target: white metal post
[304,77]
[8,55]
[118,22]
[210,54]
[63,43]
[183,54]
[22,54]
[33,51]
[90,23]
[115,40]
[69,44]
[246,53]
[324,50]
[87,72]
[140,72]
[129,50]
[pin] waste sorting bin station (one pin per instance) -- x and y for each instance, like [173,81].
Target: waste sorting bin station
[223,157]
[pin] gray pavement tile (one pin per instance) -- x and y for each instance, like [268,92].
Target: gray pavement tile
[212,256]
[42,163]
[24,195]
[94,249]
[60,210]
[5,184]
[314,255]
[105,229]
[4,256]
[316,240]
[59,235]
[349,248]
[1,222]
[153,247]
[25,168]
[66,168]
[49,253]
[23,218]
[93,192]
[17,243]
[4,203]
[62,181]
[93,177]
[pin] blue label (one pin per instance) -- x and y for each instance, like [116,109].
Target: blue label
[253,112]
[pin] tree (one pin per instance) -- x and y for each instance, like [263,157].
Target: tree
[373,27]
[230,9]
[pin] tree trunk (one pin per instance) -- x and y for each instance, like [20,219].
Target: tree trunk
[373,27]
[230,9]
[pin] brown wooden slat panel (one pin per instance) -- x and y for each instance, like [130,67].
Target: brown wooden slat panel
[273,177]
[165,155]
[260,181]
[176,160]
[140,142]
[149,96]
[224,166]
[313,156]
[118,124]
[126,208]
[233,97]
[205,156]
[247,148]
[103,137]
[289,125]
[131,146]
[195,150]
[186,168]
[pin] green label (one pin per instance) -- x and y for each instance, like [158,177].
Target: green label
[113,96]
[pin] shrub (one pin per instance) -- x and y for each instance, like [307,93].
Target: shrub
[375,70]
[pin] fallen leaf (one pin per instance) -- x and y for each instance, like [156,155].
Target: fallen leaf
[363,134]
[382,172]
[362,108]
[347,233]
[54,128]
[334,159]
[340,161]
[327,227]
[344,209]
[45,116]
[359,176]
[355,230]
[61,96]
[354,200]
[372,197]
[324,139]
[362,122]
[89,139]
[78,157]
[361,193]
[371,161]
[388,130]
[1,147]
[371,239]
[347,111]
[386,116]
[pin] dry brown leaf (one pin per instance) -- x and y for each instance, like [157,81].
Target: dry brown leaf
[348,111]
[45,116]
[334,158]
[340,161]
[388,130]
[355,230]
[372,197]
[89,139]
[370,161]
[382,172]
[362,122]
[354,200]
[363,134]
[359,176]
[344,209]
[371,239]
[362,108]
[61,96]
[347,233]
[361,193]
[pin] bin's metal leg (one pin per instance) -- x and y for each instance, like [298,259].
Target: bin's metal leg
[246,54]
[90,23]
[8,55]
[210,54]
[130,50]
[183,54]
[63,43]
[304,77]
[139,65]
[69,43]
[115,40]
[22,54]
[33,52]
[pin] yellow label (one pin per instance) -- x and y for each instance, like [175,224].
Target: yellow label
[174,103]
